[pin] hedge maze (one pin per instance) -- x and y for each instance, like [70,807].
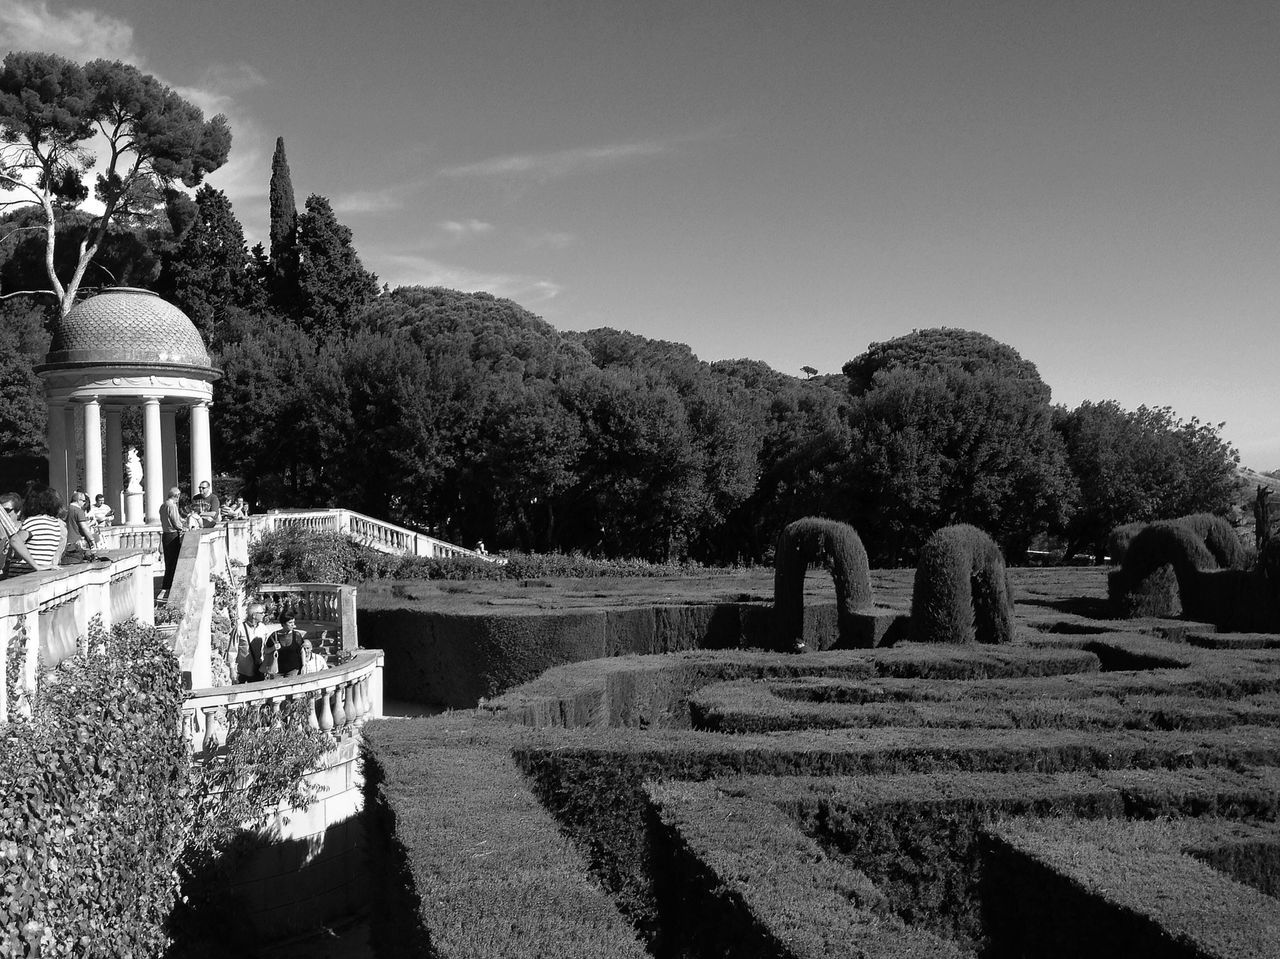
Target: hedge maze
[1097,787]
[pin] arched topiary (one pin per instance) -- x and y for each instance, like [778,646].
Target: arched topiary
[961,592]
[836,546]
[1219,536]
[1143,587]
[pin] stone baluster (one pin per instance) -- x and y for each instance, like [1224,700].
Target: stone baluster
[188,726]
[313,720]
[366,702]
[210,728]
[357,691]
[353,705]
[326,715]
[339,708]
[275,702]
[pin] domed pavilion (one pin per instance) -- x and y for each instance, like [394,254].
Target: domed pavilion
[118,349]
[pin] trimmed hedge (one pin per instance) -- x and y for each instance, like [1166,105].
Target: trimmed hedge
[96,796]
[837,547]
[1119,888]
[1164,569]
[1158,576]
[735,876]
[460,849]
[961,592]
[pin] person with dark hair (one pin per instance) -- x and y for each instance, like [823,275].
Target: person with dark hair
[10,518]
[286,643]
[40,540]
[172,526]
[207,504]
[82,536]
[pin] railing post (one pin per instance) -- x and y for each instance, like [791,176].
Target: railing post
[326,715]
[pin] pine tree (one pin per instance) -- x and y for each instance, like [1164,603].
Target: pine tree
[333,285]
[209,271]
[284,233]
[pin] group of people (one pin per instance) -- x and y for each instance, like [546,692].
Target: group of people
[37,532]
[181,512]
[260,651]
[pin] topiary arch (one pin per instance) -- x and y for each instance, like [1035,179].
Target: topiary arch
[837,547]
[961,592]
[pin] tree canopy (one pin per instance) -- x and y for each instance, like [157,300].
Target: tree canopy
[952,426]
[1142,465]
[50,110]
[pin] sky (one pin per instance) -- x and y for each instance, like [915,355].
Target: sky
[1094,182]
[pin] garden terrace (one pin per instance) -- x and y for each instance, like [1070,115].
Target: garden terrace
[1099,787]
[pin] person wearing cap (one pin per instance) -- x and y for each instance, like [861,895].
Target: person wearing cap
[250,636]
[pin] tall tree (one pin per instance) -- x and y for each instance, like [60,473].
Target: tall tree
[951,426]
[283,248]
[209,271]
[333,285]
[23,344]
[1142,465]
[50,109]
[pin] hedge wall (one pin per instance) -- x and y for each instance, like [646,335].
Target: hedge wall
[874,827]
[460,849]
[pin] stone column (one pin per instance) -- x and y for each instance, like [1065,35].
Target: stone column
[56,438]
[73,464]
[169,442]
[153,473]
[201,458]
[92,448]
[113,487]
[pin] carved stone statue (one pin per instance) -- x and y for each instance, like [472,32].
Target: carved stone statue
[133,470]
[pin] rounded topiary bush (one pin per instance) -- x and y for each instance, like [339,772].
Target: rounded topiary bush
[1142,585]
[1120,538]
[961,592]
[836,546]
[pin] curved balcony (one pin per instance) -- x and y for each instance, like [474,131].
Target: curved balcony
[342,697]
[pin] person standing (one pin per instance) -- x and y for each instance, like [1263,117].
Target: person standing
[251,635]
[206,502]
[286,643]
[172,526]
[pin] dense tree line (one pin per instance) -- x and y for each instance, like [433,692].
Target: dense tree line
[467,415]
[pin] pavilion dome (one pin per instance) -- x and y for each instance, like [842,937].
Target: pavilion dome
[123,326]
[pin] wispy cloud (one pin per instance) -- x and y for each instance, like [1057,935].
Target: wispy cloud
[548,166]
[551,239]
[411,270]
[76,33]
[460,230]
[370,201]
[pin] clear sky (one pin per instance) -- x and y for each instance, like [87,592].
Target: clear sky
[1091,181]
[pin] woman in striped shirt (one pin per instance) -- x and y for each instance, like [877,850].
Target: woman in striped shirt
[40,540]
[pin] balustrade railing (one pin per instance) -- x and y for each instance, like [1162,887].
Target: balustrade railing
[375,533]
[341,698]
[50,612]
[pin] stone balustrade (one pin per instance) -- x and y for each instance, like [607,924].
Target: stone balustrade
[330,606]
[45,616]
[380,535]
[342,697]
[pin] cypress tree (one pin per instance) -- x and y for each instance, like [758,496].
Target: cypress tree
[284,233]
[209,272]
[333,285]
